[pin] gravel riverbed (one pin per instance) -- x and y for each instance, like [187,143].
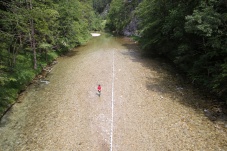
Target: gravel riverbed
[143,106]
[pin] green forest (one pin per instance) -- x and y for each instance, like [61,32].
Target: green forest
[33,34]
[191,34]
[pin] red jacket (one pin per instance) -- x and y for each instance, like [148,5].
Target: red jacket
[99,88]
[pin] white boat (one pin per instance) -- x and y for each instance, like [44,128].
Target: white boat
[95,34]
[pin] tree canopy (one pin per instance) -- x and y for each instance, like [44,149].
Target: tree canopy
[192,34]
[120,14]
[33,33]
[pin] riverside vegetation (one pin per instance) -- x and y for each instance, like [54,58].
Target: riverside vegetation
[33,34]
[191,34]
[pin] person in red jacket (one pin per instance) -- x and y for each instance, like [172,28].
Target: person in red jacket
[99,89]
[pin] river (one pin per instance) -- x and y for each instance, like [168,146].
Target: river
[144,106]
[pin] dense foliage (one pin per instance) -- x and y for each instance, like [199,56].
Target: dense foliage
[33,33]
[120,14]
[100,5]
[192,34]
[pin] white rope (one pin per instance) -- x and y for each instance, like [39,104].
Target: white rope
[112,107]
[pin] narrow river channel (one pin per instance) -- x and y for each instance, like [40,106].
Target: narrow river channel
[143,106]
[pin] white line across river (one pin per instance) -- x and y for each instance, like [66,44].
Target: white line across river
[112,107]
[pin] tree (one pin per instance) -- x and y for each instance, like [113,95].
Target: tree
[99,5]
[192,34]
[33,33]
[120,14]
[208,23]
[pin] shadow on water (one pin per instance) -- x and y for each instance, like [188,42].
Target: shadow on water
[170,83]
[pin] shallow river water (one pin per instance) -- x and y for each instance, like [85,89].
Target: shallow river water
[143,106]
